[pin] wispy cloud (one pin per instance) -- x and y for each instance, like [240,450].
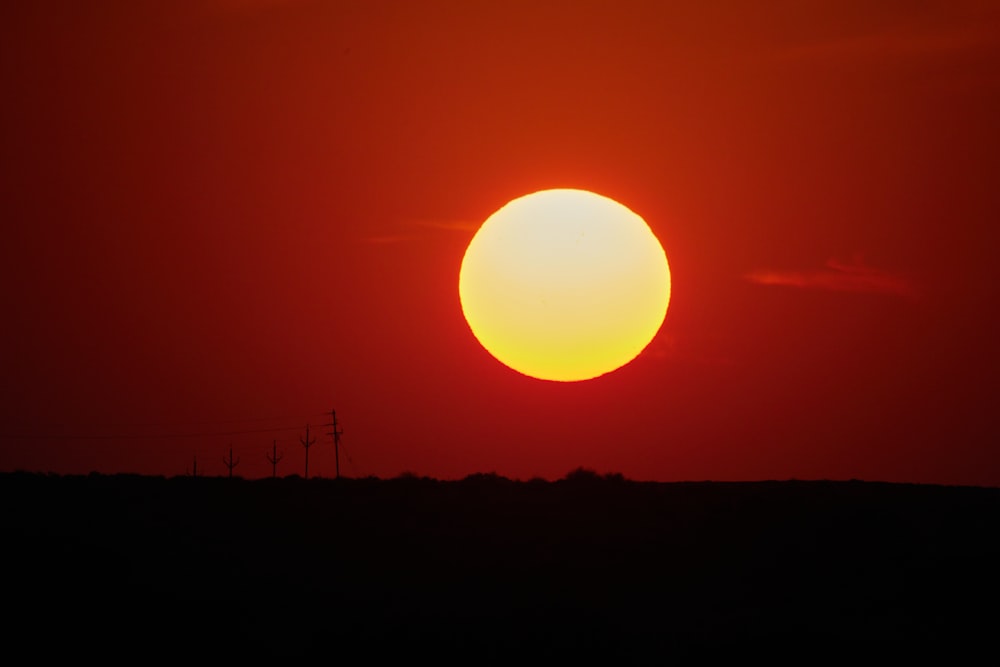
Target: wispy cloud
[252,5]
[954,31]
[447,225]
[413,230]
[838,277]
[386,239]
[668,347]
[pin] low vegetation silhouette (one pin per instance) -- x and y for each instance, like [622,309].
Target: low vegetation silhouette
[590,563]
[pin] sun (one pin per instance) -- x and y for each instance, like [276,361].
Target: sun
[564,285]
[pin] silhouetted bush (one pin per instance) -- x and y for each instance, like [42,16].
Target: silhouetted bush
[486,478]
[582,476]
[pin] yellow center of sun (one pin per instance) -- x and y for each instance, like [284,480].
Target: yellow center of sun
[564,285]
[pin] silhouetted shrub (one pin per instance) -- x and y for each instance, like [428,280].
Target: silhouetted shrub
[582,475]
[485,477]
[409,477]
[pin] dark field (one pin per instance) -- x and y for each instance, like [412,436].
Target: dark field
[488,567]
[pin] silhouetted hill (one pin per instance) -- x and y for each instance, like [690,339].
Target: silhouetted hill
[588,565]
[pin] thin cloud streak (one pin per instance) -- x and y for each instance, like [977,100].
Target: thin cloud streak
[387,239]
[443,225]
[254,5]
[971,29]
[838,277]
[898,44]
[447,225]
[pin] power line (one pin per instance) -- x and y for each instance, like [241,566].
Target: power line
[274,457]
[248,420]
[335,433]
[307,443]
[137,436]
[180,423]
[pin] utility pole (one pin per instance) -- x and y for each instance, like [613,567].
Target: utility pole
[230,463]
[194,471]
[307,443]
[335,434]
[273,458]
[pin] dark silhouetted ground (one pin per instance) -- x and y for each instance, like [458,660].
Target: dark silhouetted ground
[488,567]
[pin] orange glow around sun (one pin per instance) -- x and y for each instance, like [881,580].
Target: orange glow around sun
[564,285]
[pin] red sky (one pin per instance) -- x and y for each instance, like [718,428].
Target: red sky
[232,216]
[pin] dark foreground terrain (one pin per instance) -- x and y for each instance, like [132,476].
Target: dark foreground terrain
[487,567]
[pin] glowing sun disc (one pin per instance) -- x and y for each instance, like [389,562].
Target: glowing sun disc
[564,285]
